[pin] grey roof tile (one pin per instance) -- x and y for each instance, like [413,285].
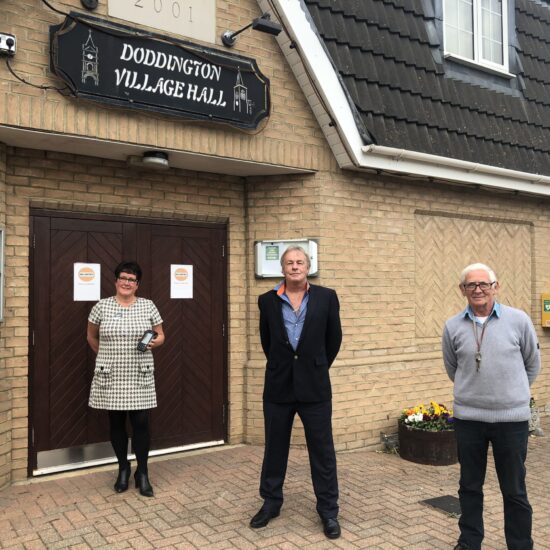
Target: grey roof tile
[387,52]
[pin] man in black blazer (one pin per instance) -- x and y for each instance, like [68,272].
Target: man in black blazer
[301,334]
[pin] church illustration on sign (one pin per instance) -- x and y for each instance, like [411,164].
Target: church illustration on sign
[241,103]
[90,60]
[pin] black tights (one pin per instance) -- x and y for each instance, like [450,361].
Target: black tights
[140,436]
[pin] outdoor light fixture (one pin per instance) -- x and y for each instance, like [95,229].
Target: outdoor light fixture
[155,160]
[262,24]
[89,4]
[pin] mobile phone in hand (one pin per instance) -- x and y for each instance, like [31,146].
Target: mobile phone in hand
[148,335]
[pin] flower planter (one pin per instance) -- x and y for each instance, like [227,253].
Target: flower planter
[425,447]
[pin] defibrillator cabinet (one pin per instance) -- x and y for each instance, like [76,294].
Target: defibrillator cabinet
[268,256]
[545,310]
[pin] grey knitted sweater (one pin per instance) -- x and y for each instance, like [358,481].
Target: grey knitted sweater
[499,391]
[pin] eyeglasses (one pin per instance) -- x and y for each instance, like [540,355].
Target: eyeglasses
[127,280]
[470,287]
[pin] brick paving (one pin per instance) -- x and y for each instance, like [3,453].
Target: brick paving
[205,500]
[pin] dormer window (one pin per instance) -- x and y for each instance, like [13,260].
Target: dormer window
[476,31]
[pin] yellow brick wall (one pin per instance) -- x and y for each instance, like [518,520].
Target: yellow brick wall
[290,137]
[68,182]
[366,227]
[5,383]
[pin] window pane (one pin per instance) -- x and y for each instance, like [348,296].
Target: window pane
[466,15]
[485,26]
[466,44]
[459,27]
[492,5]
[451,12]
[486,45]
[491,31]
[451,40]
[497,54]
[496,27]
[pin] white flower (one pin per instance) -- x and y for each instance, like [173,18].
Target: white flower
[418,417]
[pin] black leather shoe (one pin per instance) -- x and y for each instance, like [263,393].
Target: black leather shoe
[142,483]
[331,528]
[261,519]
[121,483]
[461,546]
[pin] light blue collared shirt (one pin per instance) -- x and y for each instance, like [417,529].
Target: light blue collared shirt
[294,321]
[468,312]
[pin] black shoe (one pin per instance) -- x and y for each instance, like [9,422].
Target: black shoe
[121,483]
[461,546]
[142,483]
[331,528]
[261,519]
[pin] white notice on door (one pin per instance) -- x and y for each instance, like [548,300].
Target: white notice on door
[181,281]
[87,278]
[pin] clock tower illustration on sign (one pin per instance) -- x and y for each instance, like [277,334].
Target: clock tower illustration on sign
[241,102]
[90,60]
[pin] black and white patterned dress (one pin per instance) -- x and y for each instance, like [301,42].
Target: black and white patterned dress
[123,376]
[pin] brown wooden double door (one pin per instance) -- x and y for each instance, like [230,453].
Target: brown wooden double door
[190,369]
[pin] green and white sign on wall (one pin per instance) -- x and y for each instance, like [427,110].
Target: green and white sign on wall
[268,256]
[545,303]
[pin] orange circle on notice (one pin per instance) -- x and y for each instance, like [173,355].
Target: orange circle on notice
[181,274]
[86,274]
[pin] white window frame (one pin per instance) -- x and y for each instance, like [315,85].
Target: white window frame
[477,60]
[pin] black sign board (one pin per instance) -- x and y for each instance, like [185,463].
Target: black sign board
[114,64]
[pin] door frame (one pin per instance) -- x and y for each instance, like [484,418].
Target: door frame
[36,212]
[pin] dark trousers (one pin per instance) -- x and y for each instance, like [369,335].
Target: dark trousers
[140,436]
[509,442]
[316,418]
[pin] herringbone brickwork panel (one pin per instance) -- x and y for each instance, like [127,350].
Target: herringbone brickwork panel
[444,245]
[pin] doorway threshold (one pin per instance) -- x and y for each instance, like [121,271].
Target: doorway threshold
[98,454]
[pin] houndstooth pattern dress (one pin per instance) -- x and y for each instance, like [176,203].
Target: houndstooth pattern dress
[123,376]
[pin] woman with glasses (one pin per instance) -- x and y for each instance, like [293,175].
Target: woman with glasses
[123,382]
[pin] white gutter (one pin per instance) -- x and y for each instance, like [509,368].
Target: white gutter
[461,171]
[314,70]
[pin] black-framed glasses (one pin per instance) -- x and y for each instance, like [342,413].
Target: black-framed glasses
[470,287]
[128,280]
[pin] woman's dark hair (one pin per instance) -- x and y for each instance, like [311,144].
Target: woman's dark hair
[128,267]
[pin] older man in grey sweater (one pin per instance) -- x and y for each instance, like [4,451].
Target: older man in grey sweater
[491,354]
